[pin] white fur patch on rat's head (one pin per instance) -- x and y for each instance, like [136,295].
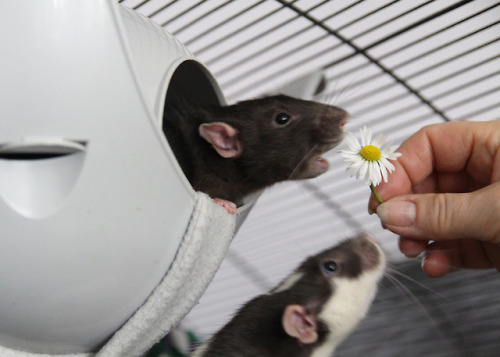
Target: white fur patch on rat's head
[348,305]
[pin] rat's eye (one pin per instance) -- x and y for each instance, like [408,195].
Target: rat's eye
[329,267]
[282,119]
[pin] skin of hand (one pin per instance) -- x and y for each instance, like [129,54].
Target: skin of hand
[444,196]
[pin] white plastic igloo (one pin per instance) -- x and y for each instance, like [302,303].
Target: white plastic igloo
[100,230]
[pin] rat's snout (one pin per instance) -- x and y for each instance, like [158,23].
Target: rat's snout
[337,116]
[344,118]
[369,251]
[371,238]
[330,124]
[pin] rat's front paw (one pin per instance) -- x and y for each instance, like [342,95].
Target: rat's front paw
[228,205]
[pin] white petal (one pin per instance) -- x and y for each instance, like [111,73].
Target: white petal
[362,134]
[368,137]
[352,142]
[348,155]
[371,174]
[388,165]
[370,177]
[394,155]
[388,149]
[363,170]
[354,167]
[366,178]
[358,162]
[376,171]
[354,170]
[348,152]
[383,171]
[354,174]
[379,141]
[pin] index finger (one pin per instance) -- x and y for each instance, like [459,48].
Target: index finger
[453,147]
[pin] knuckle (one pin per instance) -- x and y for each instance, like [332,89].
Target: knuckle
[487,213]
[442,220]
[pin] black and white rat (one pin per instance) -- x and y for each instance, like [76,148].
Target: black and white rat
[311,311]
[232,151]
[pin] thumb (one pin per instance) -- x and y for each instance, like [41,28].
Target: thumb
[444,216]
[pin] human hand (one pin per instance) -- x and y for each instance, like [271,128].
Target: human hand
[444,196]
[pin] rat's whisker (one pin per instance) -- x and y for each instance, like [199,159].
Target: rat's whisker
[352,91]
[422,307]
[405,289]
[409,278]
[306,156]
[342,91]
[358,120]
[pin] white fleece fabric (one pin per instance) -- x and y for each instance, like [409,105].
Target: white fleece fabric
[200,254]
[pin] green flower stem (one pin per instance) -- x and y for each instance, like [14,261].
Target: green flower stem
[376,194]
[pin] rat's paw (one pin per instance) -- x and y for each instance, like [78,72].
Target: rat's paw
[228,205]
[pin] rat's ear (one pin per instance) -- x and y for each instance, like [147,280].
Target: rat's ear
[223,137]
[297,322]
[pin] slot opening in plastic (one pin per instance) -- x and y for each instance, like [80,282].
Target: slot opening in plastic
[28,150]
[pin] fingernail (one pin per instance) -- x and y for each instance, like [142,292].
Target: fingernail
[398,213]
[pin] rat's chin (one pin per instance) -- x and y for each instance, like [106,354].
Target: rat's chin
[315,167]
[319,166]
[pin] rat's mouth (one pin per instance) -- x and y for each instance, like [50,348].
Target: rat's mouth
[329,138]
[311,168]
[320,164]
[315,164]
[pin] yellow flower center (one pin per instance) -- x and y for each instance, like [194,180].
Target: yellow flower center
[370,153]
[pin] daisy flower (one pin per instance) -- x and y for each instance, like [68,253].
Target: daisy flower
[369,158]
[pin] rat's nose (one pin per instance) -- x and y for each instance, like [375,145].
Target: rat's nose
[343,123]
[341,115]
[369,251]
[371,238]
[333,119]
[367,240]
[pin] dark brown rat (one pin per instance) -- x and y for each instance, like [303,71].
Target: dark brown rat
[232,151]
[311,311]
